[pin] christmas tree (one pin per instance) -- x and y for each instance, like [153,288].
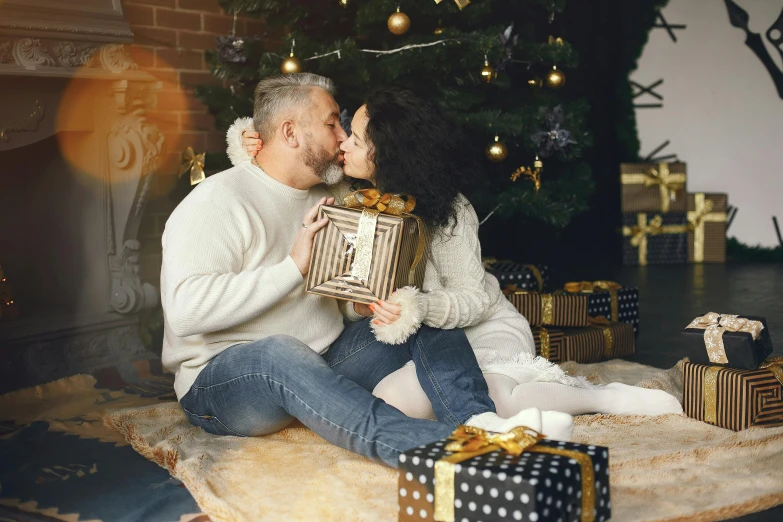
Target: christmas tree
[500,67]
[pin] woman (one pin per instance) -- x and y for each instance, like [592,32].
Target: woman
[404,144]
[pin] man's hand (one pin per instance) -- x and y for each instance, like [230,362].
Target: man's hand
[303,244]
[251,143]
[385,312]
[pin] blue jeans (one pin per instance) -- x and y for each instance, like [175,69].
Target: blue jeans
[258,388]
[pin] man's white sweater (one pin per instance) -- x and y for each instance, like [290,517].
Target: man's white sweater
[227,276]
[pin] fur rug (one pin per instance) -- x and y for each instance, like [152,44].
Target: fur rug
[662,468]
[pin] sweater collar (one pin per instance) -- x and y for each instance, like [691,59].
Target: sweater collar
[276,187]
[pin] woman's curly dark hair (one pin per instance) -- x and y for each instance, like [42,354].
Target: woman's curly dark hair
[418,149]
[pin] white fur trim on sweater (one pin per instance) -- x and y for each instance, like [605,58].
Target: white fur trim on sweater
[236,152]
[410,319]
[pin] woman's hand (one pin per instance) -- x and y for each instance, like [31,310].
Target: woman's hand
[303,243]
[251,143]
[385,312]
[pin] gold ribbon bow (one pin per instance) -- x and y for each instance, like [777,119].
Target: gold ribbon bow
[469,442]
[703,213]
[195,164]
[714,325]
[643,229]
[373,202]
[587,287]
[462,4]
[667,182]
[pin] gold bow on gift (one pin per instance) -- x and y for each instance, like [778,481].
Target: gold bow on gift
[714,325]
[373,202]
[587,287]
[668,183]
[462,4]
[470,442]
[702,214]
[643,229]
[195,164]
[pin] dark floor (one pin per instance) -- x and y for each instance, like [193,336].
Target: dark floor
[671,296]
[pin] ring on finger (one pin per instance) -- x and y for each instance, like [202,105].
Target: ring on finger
[304,226]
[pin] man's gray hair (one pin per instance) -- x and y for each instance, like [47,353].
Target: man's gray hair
[276,94]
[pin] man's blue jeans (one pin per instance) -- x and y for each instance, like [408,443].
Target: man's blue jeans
[258,388]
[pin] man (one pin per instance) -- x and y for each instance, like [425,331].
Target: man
[249,348]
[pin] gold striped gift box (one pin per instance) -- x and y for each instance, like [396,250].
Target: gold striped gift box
[653,187]
[398,256]
[733,399]
[598,343]
[550,309]
[707,237]
[549,343]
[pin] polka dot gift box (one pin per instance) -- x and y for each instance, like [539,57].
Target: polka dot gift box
[534,278]
[475,477]
[609,299]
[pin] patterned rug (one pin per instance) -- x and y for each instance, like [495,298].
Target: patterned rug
[662,468]
[59,462]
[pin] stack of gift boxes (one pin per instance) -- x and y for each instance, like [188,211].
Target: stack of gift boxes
[730,381]
[585,321]
[665,224]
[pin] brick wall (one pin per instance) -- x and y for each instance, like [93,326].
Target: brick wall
[171,37]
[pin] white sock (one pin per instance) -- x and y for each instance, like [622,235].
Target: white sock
[490,421]
[613,398]
[556,425]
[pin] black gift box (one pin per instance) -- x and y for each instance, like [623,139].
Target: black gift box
[665,244]
[600,304]
[523,276]
[499,486]
[741,350]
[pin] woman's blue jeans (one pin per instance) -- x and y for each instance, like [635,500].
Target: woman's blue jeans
[258,388]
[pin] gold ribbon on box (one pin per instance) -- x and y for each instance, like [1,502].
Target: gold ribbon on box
[469,442]
[710,385]
[587,287]
[667,182]
[602,323]
[643,229]
[702,213]
[714,326]
[373,202]
[547,303]
[195,164]
[543,336]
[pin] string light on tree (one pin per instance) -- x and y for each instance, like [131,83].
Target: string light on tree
[497,150]
[488,72]
[398,23]
[291,65]
[555,78]
[343,3]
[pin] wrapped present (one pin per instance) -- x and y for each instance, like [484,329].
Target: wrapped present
[734,341]
[734,399]
[601,341]
[549,343]
[504,476]
[609,299]
[526,277]
[707,218]
[549,309]
[655,239]
[653,187]
[370,247]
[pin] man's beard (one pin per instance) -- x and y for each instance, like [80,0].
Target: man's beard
[324,164]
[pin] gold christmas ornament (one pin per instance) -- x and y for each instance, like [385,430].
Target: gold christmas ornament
[462,4]
[534,174]
[555,78]
[555,41]
[488,72]
[497,150]
[535,81]
[439,29]
[398,23]
[291,65]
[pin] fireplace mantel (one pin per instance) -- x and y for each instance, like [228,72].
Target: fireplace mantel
[74,117]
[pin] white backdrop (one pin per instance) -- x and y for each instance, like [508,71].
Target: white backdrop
[721,110]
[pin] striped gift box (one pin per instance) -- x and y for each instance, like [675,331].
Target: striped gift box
[653,187]
[550,309]
[397,256]
[549,343]
[598,343]
[730,398]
